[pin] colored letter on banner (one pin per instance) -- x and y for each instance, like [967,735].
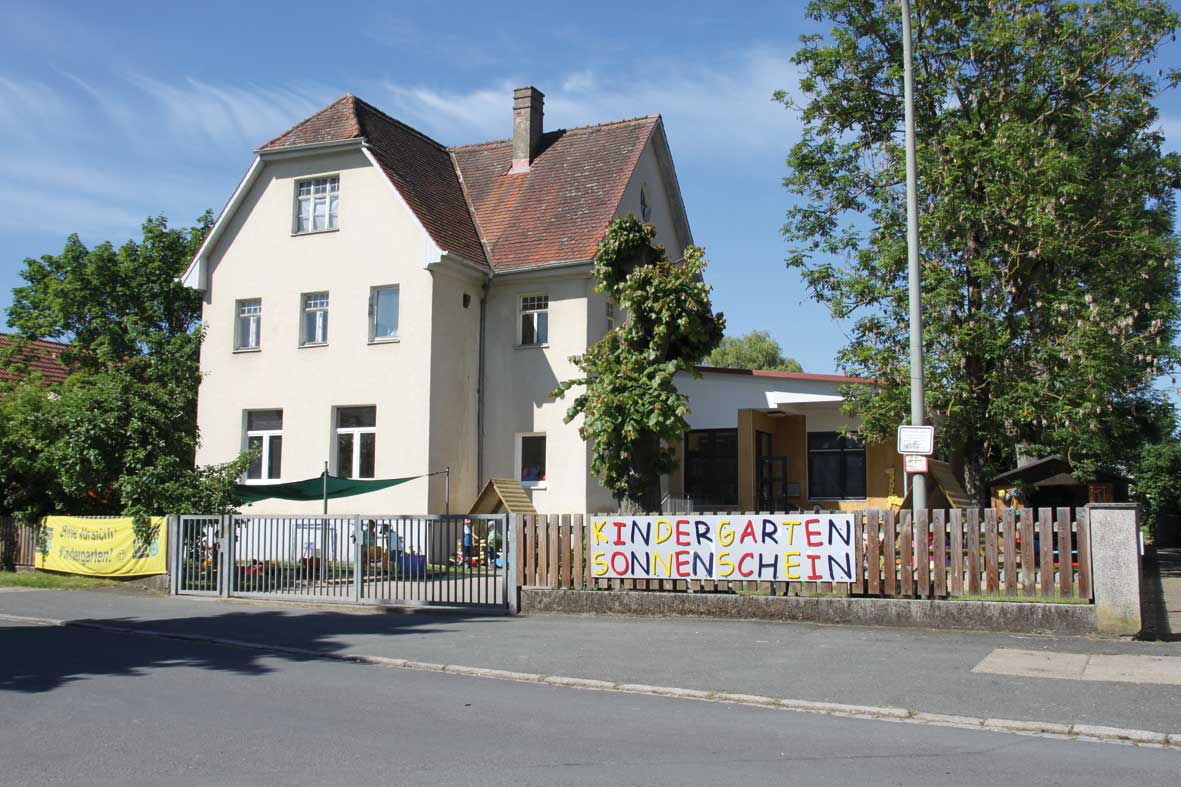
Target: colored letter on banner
[778,548]
[102,547]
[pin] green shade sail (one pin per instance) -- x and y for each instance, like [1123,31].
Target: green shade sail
[313,488]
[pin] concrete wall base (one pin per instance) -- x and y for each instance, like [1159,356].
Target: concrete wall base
[1025,617]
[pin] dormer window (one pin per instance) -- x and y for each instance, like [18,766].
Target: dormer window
[317,203]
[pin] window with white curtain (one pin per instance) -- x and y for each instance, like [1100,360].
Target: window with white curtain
[383,313]
[249,324]
[315,318]
[317,204]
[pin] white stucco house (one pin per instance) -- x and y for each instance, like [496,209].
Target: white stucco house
[394,306]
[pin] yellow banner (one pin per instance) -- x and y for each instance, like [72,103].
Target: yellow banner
[102,547]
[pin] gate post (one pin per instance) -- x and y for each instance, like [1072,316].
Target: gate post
[173,554]
[1115,562]
[358,563]
[512,592]
[225,587]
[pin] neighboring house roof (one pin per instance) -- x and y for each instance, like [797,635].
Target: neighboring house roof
[467,200]
[821,378]
[1050,471]
[557,212]
[35,356]
[419,167]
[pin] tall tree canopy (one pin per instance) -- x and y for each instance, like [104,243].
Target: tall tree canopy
[120,434]
[630,404]
[754,350]
[1045,213]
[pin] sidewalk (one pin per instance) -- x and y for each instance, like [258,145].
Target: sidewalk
[913,669]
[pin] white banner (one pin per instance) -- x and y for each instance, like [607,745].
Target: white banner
[737,547]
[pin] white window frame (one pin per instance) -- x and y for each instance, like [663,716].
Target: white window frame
[356,432]
[532,298]
[331,219]
[520,457]
[255,325]
[610,310]
[266,435]
[321,338]
[373,291]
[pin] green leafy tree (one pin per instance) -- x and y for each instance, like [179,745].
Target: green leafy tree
[1045,219]
[1158,479]
[119,436]
[630,405]
[755,350]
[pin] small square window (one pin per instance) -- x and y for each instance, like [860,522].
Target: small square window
[248,325]
[315,318]
[317,204]
[383,313]
[535,319]
[532,460]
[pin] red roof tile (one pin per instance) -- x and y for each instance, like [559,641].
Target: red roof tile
[559,209]
[39,356]
[468,202]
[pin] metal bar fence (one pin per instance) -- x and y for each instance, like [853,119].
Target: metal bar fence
[417,560]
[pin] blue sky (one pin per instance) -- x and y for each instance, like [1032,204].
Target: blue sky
[113,111]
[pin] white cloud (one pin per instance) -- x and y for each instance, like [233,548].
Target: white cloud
[724,103]
[230,116]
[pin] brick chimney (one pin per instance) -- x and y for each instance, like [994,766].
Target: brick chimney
[527,114]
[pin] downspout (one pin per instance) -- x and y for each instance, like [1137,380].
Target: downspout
[480,391]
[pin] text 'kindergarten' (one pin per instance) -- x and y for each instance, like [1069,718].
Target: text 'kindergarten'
[805,547]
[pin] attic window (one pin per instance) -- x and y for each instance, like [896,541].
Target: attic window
[645,204]
[317,203]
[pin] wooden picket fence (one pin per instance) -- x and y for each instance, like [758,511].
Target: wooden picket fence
[936,554]
[18,543]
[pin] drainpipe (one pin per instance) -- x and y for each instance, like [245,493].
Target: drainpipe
[480,391]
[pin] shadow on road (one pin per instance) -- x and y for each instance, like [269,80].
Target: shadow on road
[39,658]
[1161,597]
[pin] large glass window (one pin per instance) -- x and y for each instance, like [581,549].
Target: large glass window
[317,204]
[356,441]
[532,465]
[249,324]
[535,319]
[383,313]
[836,466]
[264,436]
[315,318]
[711,468]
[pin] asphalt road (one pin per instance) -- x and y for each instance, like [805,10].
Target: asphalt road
[909,668]
[90,707]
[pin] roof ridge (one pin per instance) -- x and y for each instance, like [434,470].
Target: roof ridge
[588,127]
[397,122]
[19,337]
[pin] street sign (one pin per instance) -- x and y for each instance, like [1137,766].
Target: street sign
[916,440]
[914,463]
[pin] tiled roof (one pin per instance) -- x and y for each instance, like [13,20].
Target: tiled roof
[419,167]
[40,356]
[556,212]
[559,209]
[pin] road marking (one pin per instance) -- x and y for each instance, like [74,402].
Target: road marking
[1079,732]
[1081,666]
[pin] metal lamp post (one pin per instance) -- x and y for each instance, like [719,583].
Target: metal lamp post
[919,482]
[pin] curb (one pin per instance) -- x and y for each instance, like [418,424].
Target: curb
[1081,732]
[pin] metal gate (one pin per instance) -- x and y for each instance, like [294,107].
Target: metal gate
[403,560]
